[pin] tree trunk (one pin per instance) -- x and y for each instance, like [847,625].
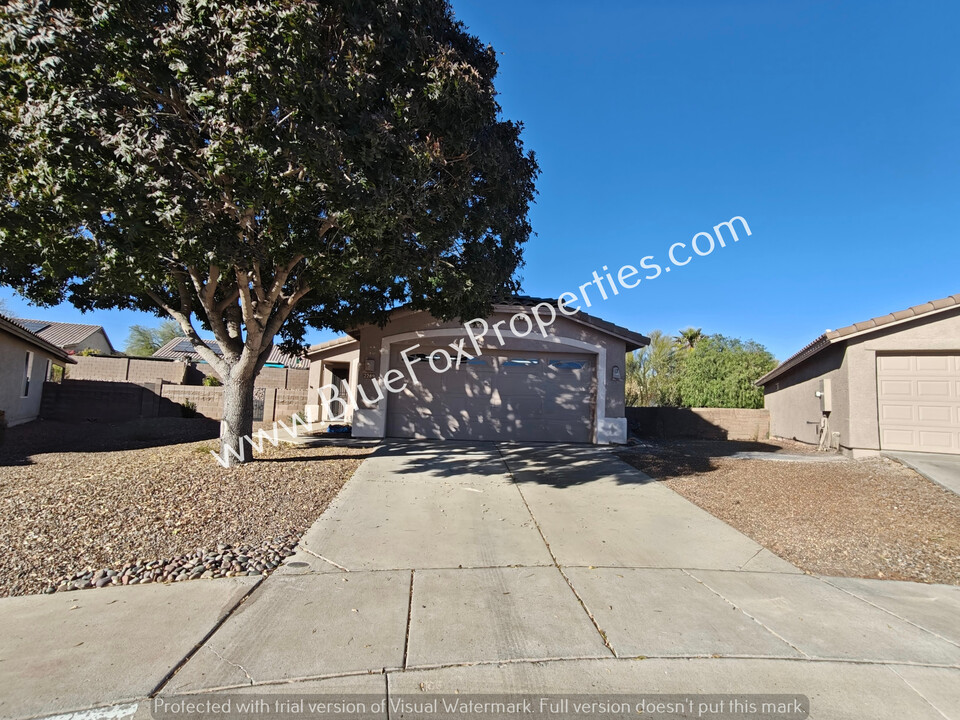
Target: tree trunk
[237,421]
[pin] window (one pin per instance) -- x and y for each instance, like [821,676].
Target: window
[568,364]
[520,362]
[27,367]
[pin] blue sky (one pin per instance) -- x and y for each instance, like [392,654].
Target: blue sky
[831,127]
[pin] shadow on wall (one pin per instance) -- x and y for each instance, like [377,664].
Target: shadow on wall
[43,436]
[699,423]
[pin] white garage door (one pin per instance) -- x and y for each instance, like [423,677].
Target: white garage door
[511,395]
[919,402]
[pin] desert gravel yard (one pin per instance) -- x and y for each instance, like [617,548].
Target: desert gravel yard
[95,504]
[869,518]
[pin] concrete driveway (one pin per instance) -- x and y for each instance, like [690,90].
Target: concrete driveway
[459,568]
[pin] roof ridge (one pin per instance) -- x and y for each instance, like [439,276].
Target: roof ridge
[875,323]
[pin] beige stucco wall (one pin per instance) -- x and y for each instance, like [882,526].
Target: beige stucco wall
[97,341]
[793,404]
[408,329]
[852,366]
[12,360]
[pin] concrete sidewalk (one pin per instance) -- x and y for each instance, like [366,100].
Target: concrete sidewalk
[451,567]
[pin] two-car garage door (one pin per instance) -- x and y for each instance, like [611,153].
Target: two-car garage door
[919,402]
[506,395]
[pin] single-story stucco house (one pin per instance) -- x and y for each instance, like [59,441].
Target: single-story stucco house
[71,337]
[890,383]
[517,375]
[25,362]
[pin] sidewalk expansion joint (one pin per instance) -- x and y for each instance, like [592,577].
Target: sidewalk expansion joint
[760,550]
[922,696]
[406,639]
[203,641]
[321,557]
[556,564]
[555,660]
[741,610]
[888,612]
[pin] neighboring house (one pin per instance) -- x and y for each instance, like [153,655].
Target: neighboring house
[182,349]
[72,337]
[890,383]
[565,387]
[26,361]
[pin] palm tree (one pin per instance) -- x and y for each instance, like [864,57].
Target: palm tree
[689,338]
[144,341]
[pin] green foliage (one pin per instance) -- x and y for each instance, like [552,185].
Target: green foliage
[688,339]
[257,166]
[188,408]
[650,376]
[697,370]
[89,352]
[276,163]
[720,372]
[144,341]
[211,381]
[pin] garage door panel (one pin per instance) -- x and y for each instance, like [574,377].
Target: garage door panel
[933,388]
[933,363]
[518,395]
[935,414]
[919,402]
[893,411]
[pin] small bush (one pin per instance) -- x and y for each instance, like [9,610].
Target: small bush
[88,352]
[211,381]
[188,408]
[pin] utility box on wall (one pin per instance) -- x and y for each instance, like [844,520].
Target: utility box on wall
[825,393]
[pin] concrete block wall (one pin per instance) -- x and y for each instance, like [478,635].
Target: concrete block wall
[701,423]
[125,369]
[208,400]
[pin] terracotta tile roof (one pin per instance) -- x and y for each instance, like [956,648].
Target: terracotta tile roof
[15,328]
[62,334]
[833,336]
[180,348]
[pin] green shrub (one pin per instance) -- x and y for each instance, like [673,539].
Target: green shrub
[188,408]
[211,381]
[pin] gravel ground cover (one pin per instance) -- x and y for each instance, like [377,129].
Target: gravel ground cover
[88,505]
[869,518]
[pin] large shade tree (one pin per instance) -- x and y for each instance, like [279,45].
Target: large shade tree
[256,168]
